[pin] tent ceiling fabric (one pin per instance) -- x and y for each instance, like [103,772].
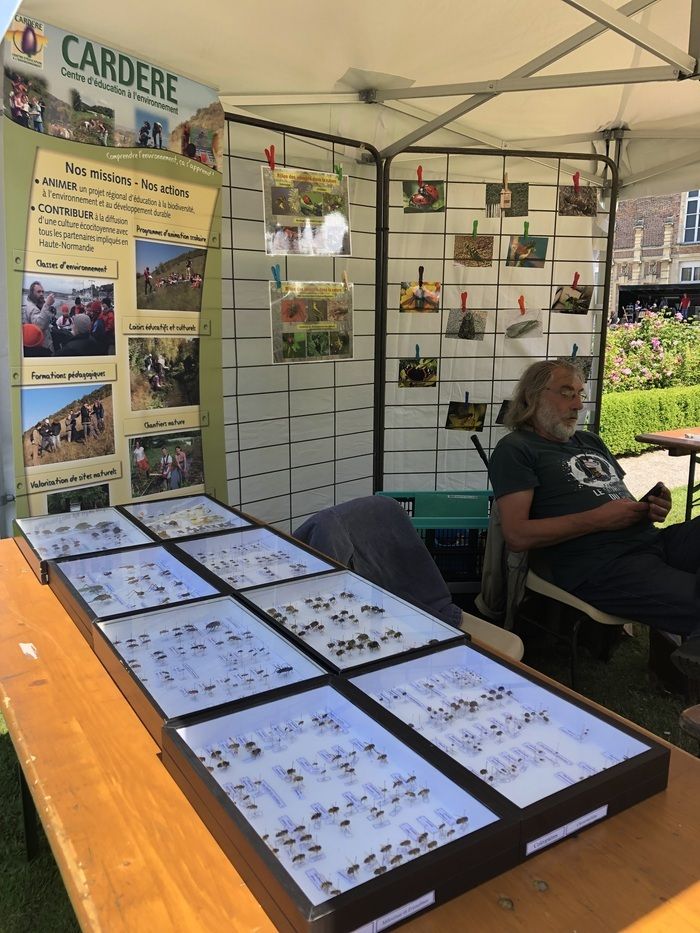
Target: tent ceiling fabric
[251,48]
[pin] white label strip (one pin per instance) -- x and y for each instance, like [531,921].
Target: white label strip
[396,916]
[567,830]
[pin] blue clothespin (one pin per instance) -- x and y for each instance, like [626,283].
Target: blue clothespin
[277,275]
[338,171]
[574,351]
[466,398]
[417,352]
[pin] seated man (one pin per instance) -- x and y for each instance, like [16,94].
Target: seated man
[561,497]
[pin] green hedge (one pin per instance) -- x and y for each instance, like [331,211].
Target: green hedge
[641,411]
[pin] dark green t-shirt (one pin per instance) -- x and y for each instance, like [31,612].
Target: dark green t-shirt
[575,476]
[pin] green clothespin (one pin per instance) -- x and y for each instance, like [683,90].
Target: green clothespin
[526,229]
[475,227]
[338,171]
[417,353]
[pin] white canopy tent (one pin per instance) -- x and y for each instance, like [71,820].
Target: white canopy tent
[554,76]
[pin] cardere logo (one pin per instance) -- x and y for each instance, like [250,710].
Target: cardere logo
[27,41]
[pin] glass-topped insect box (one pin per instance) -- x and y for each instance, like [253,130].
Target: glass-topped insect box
[68,534]
[348,621]
[185,516]
[173,662]
[102,585]
[330,819]
[562,763]
[252,556]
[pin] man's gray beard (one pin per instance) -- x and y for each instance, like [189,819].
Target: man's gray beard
[550,422]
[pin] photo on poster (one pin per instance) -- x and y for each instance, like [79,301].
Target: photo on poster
[527,252]
[570,300]
[473,251]
[502,411]
[466,325]
[425,198]
[169,276]
[519,204]
[163,372]
[581,203]
[311,321]
[517,325]
[466,416]
[65,316]
[165,462]
[306,212]
[419,373]
[584,363]
[78,500]
[152,129]
[63,423]
[420,298]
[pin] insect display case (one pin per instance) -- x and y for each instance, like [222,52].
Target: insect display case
[172,662]
[68,534]
[562,763]
[102,585]
[185,516]
[252,556]
[330,819]
[347,621]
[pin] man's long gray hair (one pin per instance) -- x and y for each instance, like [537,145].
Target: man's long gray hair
[531,385]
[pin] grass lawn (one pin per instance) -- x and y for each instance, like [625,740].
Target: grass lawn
[677,513]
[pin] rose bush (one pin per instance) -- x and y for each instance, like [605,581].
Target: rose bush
[656,353]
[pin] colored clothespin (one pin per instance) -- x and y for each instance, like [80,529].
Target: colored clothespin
[475,227]
[466,398]
[577,181]
[417,352]
[421,270]
[575,281]
[338,169]
[277,275]
[270,154]
[345,279]
[464,297]
[419,174]
[574,351]
[526,229]
[521,303]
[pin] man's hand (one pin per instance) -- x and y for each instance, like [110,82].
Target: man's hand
[659,506]
[620,513]
[49,300]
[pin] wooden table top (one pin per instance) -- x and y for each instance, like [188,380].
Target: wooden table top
[134,855]
[675,439]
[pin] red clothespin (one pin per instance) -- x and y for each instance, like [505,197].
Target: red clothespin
[421,270]
[419,173]
[521,303]
[577,182]
[575,281]
[464,297]
[270,154]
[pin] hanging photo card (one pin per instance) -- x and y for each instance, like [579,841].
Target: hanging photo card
[306,213]
[581,202]
[420,296]
[474,251]
[466,325]
[418,373]
[584,363]
[502,411]
[527,252]
[519,200]
[518,326]
[570,300]
[427,197]
[466,416]
[311,321]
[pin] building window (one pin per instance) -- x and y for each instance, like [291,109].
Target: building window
[624,270]
[692,215]
[652,270]
[690,273]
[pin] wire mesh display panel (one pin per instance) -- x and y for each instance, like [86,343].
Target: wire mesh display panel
[299,436]
[449,367]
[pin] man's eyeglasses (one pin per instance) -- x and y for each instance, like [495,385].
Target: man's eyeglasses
[569,394]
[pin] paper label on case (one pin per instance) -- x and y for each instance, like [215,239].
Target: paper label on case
[396,916]
[568,829]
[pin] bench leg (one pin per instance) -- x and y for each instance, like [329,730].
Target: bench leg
[29,817]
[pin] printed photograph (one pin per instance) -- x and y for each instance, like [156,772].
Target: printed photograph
[169,277]
[502,411]
[163,372]
[466,325]
[294,346]
[152,129]
[306,212]
[78,500]
[474,251]
[425,198]
[466,416]
[581,203]
[527,252]
[165,462]
[421,298]
[418,374]
[64,316]
[63,423]
[517,325]
[584,363]
[519,200]
[568,300]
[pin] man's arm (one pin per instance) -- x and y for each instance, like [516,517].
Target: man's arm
[523,533]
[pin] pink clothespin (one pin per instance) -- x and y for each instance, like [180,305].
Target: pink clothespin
[419,174]
[521,303]
[576,278]
[464,297]
[270,155]
[577,181]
